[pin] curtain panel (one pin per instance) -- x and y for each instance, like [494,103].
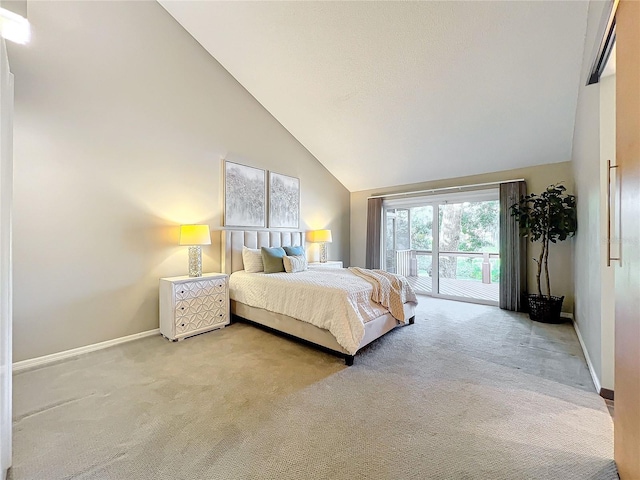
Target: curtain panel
[513,251]
[374,233]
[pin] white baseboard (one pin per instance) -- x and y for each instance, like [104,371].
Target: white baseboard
[594,377]
[55,357]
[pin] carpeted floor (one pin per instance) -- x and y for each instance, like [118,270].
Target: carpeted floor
[468,392]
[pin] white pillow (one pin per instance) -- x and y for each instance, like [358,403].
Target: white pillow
[252,260]
[294,264]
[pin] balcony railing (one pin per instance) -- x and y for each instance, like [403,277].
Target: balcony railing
[409,264]
[407,261]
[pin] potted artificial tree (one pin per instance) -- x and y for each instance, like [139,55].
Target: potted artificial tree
[546,218]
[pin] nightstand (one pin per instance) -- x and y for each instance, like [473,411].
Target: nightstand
[193,305]
[327,264]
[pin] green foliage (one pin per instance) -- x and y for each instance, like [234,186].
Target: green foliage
[478,225]
[471,269]
[548,217]
[552,215]
[421,228]
[402,229]
[479,222]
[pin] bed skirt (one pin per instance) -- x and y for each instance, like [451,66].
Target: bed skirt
[319,336]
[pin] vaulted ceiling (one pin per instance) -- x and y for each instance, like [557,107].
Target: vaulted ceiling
[390,93]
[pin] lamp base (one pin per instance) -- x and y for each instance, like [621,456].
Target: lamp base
[323,252]
[195,261]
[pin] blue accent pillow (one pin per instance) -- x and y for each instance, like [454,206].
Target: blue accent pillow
[272,259]
[294,251]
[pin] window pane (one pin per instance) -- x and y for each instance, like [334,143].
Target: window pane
[422,228]
[403,240]
[389,244]
[470,227]
[469,232]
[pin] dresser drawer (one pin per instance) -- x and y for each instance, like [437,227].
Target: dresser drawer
[200,288]
[191,306]
[198,321]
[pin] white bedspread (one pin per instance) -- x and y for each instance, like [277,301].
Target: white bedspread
[333,299]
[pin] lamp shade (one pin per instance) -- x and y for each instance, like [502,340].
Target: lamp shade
[321,236]
[195,235]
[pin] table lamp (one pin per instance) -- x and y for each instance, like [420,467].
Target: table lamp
[194,236]
[322,237]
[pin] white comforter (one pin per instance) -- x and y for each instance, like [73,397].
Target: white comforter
[333,299]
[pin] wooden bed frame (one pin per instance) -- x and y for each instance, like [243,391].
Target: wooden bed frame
[232,243]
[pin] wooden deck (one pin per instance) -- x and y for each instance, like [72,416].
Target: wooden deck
[458,288]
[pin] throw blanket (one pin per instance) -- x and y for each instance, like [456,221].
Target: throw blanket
[389,290]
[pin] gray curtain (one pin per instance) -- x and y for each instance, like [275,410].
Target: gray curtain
[374,233]
[513,251]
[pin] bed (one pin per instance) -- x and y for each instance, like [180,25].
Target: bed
[233,242]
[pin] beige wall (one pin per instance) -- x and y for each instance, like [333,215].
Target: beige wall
[538,178]
[589,168]
[121,121]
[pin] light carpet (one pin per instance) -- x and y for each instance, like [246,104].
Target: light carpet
[468,392]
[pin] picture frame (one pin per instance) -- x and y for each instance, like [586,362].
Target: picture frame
[284,201]
[245,196]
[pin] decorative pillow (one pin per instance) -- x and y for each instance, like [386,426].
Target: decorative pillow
[294,251]
[272,259]
[252,260]
[295,263]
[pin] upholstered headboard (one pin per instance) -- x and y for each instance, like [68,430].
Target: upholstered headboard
[234,240]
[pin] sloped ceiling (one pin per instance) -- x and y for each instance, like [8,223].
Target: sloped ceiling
[390,93]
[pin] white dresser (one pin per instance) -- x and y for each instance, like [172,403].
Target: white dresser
[192,305]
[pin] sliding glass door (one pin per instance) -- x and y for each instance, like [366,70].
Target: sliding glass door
[446,245]
[469,262]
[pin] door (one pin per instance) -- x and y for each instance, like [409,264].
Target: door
[446,245]
[6,183]
[468,250]
[627,282]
